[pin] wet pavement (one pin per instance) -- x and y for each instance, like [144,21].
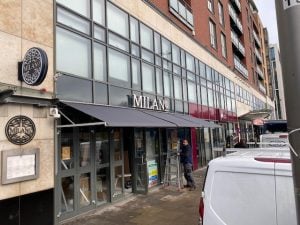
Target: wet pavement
[161,206]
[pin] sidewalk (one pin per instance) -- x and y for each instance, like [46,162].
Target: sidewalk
[160,207]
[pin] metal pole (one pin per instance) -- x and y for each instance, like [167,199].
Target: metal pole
[288,17]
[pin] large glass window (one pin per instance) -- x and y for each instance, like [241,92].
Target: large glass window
[136,78]
[146,37]
[159,82]
[175,54]
[117,20]
[119,68]
[119,96]
[223,45]
[134,30]
[148,78]
[73,53]
[221,13]
[184,90]
[204,96]
[190,63]
[71,88]
[177,88]
[99,62]
[157,43]
[210,5]
[166,49]
[167,84]
[100,93]
[202,69]
[210,98]
[99,11]
[73,21]
[192,93]
[79,6]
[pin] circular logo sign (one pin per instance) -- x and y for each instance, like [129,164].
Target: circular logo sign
[20,130]
[34,66]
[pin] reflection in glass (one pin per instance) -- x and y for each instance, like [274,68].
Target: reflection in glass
[80,6]
[117,20]
[134,30]
[118,182]
[148,78]
[99,62]
[67,194]
[66,85]
[166,49]
[67,154]
[102,185]
[119,96]
[85,189]
[136,78]
[99,11]
[119,66]
[175,54]
[73,21]
[102,148]
[118,42]
[73,53]
[84,150]
[100,93]
[146,37]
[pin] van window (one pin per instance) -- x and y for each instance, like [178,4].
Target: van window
[244,198]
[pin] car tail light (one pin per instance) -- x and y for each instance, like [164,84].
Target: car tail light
[201,208]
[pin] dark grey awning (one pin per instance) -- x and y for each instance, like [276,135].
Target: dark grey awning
[121,117]
[198,122]
[256,114]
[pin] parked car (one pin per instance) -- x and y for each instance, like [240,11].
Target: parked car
[252,186]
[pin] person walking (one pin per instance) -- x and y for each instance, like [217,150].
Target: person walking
[186,160]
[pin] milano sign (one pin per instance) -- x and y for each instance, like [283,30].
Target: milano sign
[145,102]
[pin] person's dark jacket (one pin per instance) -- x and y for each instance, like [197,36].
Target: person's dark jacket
[186,154]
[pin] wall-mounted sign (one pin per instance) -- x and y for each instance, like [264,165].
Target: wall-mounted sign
[153,173]
[34,67]
[17,166]
[145,102]
[20,130]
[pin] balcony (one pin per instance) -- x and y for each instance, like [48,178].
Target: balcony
[262,87]
[183,12]
[260,73]
[240,67]
[237,44]
[258,56]
[237,25]
[236,4]
[257,41]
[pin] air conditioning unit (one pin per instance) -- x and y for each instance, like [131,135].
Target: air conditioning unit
[54,113]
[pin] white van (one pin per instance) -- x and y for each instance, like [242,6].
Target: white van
[249,188]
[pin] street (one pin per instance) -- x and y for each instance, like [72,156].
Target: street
[159,207]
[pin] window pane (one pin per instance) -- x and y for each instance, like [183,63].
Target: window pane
[190,63]
[202,69]
[176,70]
[136,79]
[119,96]
[175,54]
[80,6]
[166,49]
[182,55]
[179,106]
[135,50]
[73,21]
[204,96]
[184,90]
[208,73]
[118,42]
[66,86]
[67,149]
[174,4]
[102,185]
[86,191]
[99,11]
[99,62]
[177,88]
[146,37]
[99,33]
[148,56]
[134,30]
[117,20]
[148,78]
[210,98]
[158,61]
[100,93]
[192,92]
[157,43]
[167,84]
[119,66]
[67,198]
[159,82]
[73,53]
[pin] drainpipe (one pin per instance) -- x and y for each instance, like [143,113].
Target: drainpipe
[288,17]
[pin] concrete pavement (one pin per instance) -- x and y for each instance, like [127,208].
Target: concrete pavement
[161,206]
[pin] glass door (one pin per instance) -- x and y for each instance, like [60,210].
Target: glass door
[140,178]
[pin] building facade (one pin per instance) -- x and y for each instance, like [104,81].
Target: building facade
[276,71]
[126,81]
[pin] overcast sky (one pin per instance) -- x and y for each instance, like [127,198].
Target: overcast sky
[267,13]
